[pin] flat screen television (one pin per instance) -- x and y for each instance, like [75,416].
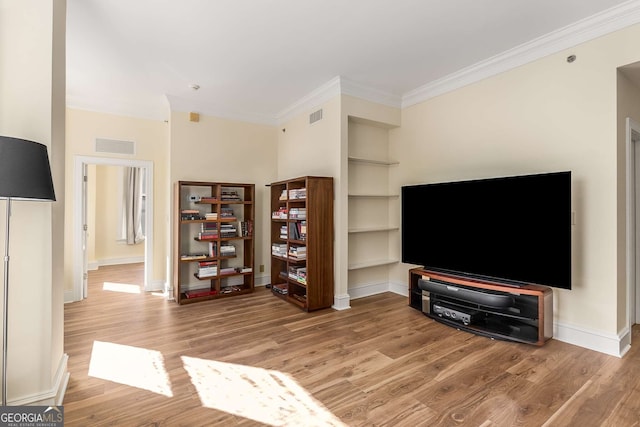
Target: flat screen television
[513,230]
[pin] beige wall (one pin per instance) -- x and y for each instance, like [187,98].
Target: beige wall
[549,115]
[151,138]
[314,150]
[221,150]
[628,96]
[32,84]
[107,219]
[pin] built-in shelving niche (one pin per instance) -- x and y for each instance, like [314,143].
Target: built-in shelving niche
[374,207]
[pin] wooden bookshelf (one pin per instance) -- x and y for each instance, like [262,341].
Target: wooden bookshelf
[213,240]
[303,277]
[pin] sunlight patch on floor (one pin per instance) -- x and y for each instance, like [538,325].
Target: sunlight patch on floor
[266,396]
[121,287]
[132,366]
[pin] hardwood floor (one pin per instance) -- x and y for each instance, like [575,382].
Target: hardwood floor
[139,360]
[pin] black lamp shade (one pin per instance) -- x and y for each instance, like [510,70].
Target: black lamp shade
[25,172]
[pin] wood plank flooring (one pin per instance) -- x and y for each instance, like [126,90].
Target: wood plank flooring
[253,360]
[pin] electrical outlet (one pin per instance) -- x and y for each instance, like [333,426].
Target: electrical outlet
[261,268]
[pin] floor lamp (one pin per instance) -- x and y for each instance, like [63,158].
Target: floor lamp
[25,174]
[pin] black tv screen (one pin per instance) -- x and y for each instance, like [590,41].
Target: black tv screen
[514,230]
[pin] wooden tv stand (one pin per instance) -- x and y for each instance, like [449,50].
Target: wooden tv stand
[522,314]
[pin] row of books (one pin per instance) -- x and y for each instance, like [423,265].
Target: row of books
[279,249]
[246,228]
[228,230]
[298,213]
[297,193]
[207,269]
[230,195]
[294,194]
[279,214]
[299,274]
[297,252]
[208,199]
[280,288]
[296,231]
[227,249]
[190,214]
[227,214]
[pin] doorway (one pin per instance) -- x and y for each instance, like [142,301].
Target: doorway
[80,262]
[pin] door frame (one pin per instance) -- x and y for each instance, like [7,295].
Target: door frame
[79,267]
[633,221]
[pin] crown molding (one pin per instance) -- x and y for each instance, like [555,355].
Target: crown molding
[319,95]
[608,21]
[139,111]
[178,104]
[337,86]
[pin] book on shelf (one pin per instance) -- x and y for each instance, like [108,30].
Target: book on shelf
[190,214]
[227,249]
[301,298]
[208,199]
[280,288]
[298,213]
[279,249]
[299,274]
[227,214]
[298,193]
[246,228]
[208,236]
[283,195]
[211,216]
[199,293]
[227,270]
[244,269]
[228,230]
[191,257]
[298,230]
[207,269]
[281,213]
[229,195]
[298,252]
[213,249]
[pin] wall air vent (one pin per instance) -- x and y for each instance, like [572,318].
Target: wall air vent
[115,146]
[315,116]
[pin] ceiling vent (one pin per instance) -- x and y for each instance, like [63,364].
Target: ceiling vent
[115,146]
[315,116]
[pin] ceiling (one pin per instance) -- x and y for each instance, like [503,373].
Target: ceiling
[255,59]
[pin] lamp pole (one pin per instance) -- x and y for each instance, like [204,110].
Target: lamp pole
[5,304]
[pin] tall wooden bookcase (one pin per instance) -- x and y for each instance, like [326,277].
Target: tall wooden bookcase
[302,238]
[213,240]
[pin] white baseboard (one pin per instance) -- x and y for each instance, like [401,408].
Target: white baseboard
[341,302]
[53,396]
[69,296]
[378,288]
[114,261]
[613,345]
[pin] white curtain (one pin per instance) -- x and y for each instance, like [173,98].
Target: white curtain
[133,205]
